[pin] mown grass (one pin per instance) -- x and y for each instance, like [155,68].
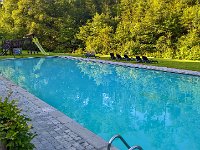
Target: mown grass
[179,64]
[170,63]
[25,55]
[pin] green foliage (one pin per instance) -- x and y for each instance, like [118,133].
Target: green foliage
[97,34]
[14,130]
[160,28]
[55,23]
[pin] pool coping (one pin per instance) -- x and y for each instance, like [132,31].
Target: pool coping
[141,66]
[87,135]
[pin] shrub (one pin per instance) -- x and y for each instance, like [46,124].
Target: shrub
[79,51]
[14,131]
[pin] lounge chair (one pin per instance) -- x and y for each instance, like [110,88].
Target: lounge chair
[128,58]
[138,59]
[119,57]
[112,56]
[146,60]
[91,54]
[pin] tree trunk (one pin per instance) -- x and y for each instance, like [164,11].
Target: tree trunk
[2,146]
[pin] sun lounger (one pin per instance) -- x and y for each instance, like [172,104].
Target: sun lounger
[146,60]
[119,57]
[138,59]
[112,56]
[128,58]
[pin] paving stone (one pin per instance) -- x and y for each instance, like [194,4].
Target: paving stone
[67,144]
[59,147]
[58,137]
[88,147]
[53,132]
[72,148]
[85,144]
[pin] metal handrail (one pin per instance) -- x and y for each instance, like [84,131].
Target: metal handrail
[113,138]
[125,143]
[135,147]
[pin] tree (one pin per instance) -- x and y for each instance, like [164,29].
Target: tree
[189,43]
[97,34]
[6,19]
[160,28]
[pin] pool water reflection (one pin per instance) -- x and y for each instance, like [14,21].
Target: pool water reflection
[156,110]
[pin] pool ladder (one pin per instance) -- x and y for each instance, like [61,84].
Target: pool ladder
[125,143]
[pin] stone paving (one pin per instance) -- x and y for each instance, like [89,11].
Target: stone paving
[142,66]
[55,131]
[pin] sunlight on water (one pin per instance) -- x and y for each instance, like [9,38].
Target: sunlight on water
[154,109]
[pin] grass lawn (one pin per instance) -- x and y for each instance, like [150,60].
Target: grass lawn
[170,63]
[179,64]
[25,55]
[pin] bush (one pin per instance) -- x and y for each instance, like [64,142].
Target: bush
[14,131]
[79,51]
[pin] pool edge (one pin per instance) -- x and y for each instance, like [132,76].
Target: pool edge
[141,66]
[66,121]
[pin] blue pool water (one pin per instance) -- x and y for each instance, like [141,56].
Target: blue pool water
[154,109]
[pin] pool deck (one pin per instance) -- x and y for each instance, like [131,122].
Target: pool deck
[55,131]
[142,66]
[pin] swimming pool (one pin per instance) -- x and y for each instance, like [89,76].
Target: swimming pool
[154,109]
